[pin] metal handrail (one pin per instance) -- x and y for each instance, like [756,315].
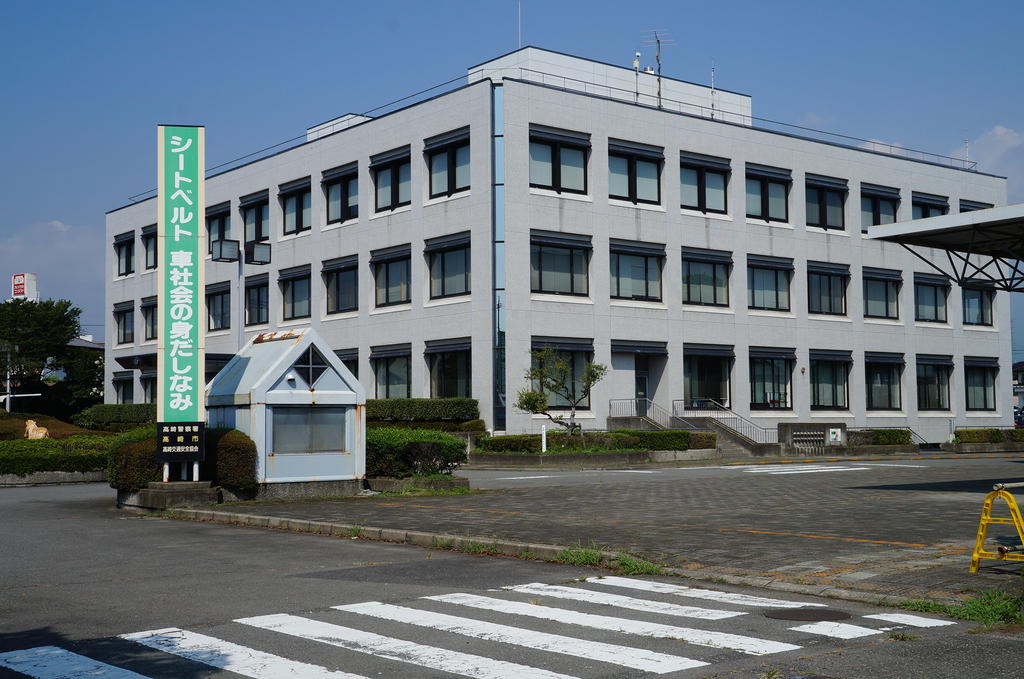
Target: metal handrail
[729,418]
[647,409]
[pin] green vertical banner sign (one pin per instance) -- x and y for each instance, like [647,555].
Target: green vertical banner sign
[181,343]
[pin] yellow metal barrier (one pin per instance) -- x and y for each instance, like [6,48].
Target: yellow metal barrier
[1004,553]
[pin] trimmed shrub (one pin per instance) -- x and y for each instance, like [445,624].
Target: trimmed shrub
[1014,435]
[559,442]
[659,439]
[475,426]
[890,437]
[73,454]
[703,440]
[423,409]
[230,460]
[510,443]
[131,464]
[402,452]
[114,417]
[979,435]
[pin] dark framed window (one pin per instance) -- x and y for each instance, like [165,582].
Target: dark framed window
[218,227]
[449,169]
[124,390]
[882,381]
[577,362]
[703,189]
[634,178]
[559,166]
[925,205]
[706,283]
[392,281]
[881,298]
[256,218]
[298,212]
[257,305]
[559,270]
[393,182]
[930,302]
[768,288]
[825,207]
[933,387]
[342,198]
[636,276]
[124,320]
[767,198]
[826,293]
[972,205]
[149,250]
[125,252]
[342,289]
[829,385]
[308,429]
[149,321]
[878,205]
[450,374]
[295,297]
[978,306]
[771,383]
[980,382]
[450,272]
[148,384]
[218,306]
[706,378]
[392,376]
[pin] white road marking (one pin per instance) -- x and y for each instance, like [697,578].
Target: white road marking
[628,602]
[834,469]
[50,662]
[635,658]
[231,657]
[520,478]
[837,630]
[890,464]
[710,595]
[912,620]
[628,471]
[397,649]
[699,637]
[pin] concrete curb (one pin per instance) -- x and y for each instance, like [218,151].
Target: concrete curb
[50,478]
[544,552]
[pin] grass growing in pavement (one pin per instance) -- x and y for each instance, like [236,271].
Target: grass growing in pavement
[355,531]
[414,491]
[904,636]
[579,556]
[442,543]
[631,565]
[991,608]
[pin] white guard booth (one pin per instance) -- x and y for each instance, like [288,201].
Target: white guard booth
[295,399]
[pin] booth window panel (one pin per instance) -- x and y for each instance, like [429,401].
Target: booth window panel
[875,210]
[148,389]
[881,298]
[636,277]
[981,387]
[257,307]
[559,270]
[295,294]
[298,214]
[450,375]
[770,383]
[930,302]
[883,386]
[559,167]
[705,283]
[342,199]
[634,178]
[149,321]
[575,363]
[394,185]
[449,169]
[342,290]
[933,387]
[392,281]
[218,227]
[393,376]
[149,251]
[977,306]
[308,429]
[768,288]
[125,257]
[829,388]
[702,189]
[257,222]
[825,207]
[449,273]
[706,379]
[826,294]
[125,323]
[124,391]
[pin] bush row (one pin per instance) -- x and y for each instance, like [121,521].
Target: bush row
[114,417]
[423,409]
[989,435]
[401,452]
[475,426]
[12,427]
[620,439]
[878,437]
[81,453]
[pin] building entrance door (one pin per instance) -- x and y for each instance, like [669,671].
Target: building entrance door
[642,386]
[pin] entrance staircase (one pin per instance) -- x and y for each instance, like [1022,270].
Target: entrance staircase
[737,435]
[643,413]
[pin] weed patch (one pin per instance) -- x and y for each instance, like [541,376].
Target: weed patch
[442,543]
[991,608]
[579,556]
[631,565]
[903,636]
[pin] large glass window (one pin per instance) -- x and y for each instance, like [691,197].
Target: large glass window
[449,169]
[148,384]
[825,207]
[394,184]
[308,429]
[770,383]
[218,227]
[392,376]
[450,375]
[933,387]
[149,321]
[125,252]
[875,210]
[883,385]
[826,293]
[767,199]
[559,270]
[149,249]
[829,385]
[636,276]
[391,279]
[558,166]
[295,296]
[449,272]
[978,306]
[930,302]
[124,390]
[342,290]
[125,322]
[218,306]
[703,189]
[298,213]
[926,210]
[257,222]
[706,380]
[706,283]
[768,288]
[981,387]
[257,307]
[881,298]
[342,198]
[577,362]
[634,178]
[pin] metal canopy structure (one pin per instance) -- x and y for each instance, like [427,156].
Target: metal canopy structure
[983,247]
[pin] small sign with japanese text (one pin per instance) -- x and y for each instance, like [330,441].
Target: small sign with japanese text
[180,441]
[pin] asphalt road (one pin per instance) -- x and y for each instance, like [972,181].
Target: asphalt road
[78,574]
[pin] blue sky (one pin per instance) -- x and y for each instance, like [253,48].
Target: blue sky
[88,81]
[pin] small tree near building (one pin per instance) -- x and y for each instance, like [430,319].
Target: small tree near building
[551,374]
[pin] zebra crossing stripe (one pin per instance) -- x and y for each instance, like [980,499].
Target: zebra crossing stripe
[231,657]
[693,592]
[836,630]
[619,601]
[397,649]
[699,637]
[912,620]
[51,662]
[635,658]
[833,469]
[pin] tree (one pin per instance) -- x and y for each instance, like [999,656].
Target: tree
[551,374]
[34,336]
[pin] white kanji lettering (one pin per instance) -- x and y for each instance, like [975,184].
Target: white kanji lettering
[180,401]
[181,331]
[180,348]
[181,383]
[180,178]
[182,295]
[180,369]
[176,141]
[180,195]
[180,277]
[181,312]
[181,215]
[181,258]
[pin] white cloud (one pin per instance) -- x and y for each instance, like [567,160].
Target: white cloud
[1000,150]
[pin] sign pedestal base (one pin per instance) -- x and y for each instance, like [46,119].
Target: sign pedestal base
[161,495]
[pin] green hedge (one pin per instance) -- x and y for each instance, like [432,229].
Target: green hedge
[113,417]
[423,409]
[399,452]
[82,453]
[702,440]
[131,464]
[891,437]
[559,442]
[991,435]
[474,426]
[660,439]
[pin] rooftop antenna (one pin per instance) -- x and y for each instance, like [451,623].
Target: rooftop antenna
[659,38]
[712,88]
[636,78]
[967,150]
[519,22]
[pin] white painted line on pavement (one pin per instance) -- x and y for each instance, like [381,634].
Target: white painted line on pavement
[890,464]
[627,602]
[51,662]
[912,620]
[635,658]
[629,471]
[836,630]
[709,594]
[833,469]
[769,467]
[231,657]
[520,478]
[699,637]
[397,649]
